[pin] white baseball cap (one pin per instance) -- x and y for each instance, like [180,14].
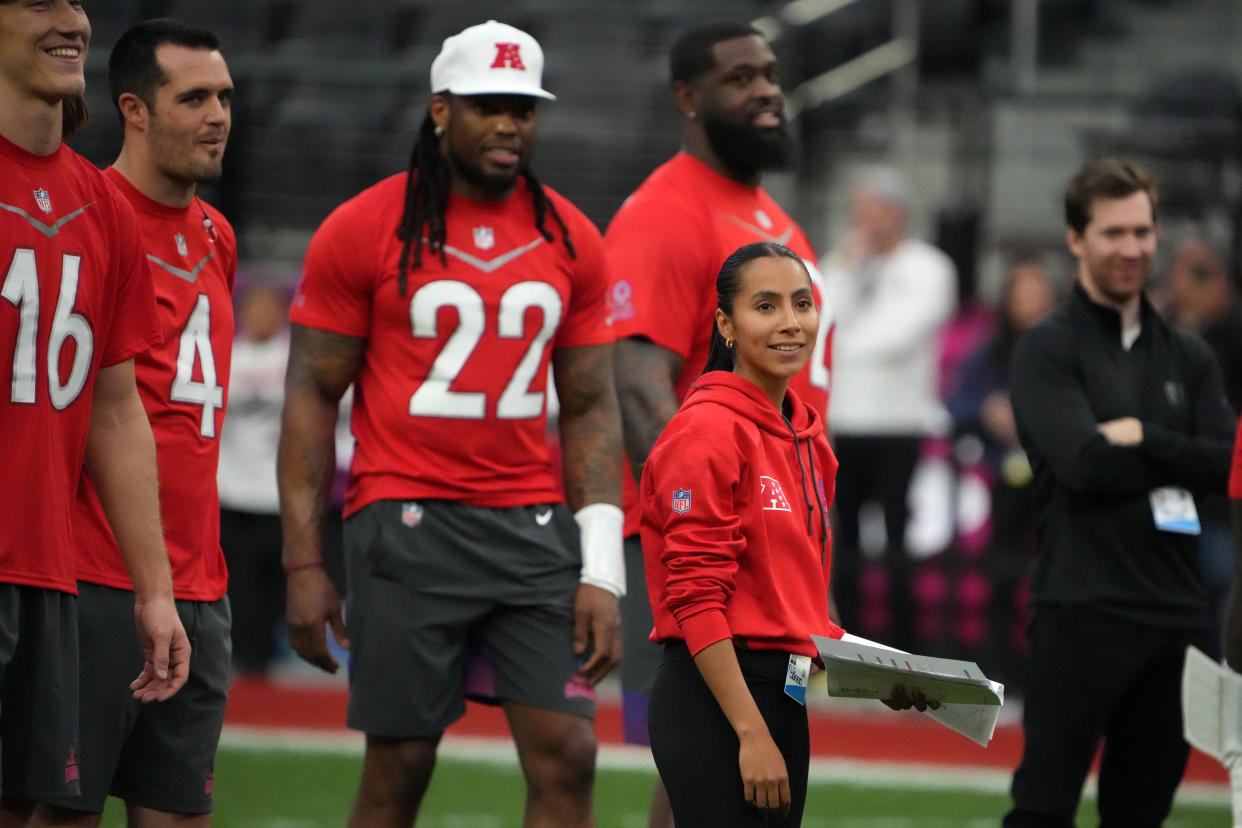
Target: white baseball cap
[490,59]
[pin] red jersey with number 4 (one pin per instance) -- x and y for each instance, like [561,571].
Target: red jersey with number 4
[183,384]
[665,247]
[75,296]
[450,398]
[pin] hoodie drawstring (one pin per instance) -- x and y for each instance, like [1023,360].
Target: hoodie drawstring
[823,513]
[806,499]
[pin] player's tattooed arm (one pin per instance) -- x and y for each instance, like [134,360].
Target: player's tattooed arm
[590,425]
[646,382]
[322,364]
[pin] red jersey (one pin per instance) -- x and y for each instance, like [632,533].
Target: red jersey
[735,531]
[450,399]
[76,296]
[1235,467]
[665,247]
[183,384]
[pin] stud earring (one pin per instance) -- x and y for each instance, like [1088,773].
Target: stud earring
[729,344]
[439,130]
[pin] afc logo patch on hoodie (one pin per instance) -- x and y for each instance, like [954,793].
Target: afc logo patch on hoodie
[772,496]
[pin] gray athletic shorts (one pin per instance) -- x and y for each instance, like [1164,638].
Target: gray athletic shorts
[38,692]
[642,655]
[158,755]
[447,601]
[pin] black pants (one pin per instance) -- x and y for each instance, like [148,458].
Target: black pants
[874,468]
[696,750]
[251,544]
[1094,676]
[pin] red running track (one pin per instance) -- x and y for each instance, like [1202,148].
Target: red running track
[897,737]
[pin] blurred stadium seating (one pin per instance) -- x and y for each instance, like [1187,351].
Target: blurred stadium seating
[329,95]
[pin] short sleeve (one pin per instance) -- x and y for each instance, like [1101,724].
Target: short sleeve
[586,321]
[663,269]
[338,274]
[135,325]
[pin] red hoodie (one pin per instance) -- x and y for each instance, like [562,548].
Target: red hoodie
[735,521]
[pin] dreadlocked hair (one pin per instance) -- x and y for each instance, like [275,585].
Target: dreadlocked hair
[426,199]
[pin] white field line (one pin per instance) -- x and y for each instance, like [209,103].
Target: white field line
[859,772]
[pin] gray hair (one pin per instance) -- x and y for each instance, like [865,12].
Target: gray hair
[884,182]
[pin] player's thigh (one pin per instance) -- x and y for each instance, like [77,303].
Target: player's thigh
[642,655]
[110,657]
[168,760]
[38,693]
[528,635]
[414,596]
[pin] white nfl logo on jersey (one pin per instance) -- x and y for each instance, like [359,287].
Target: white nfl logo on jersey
[764,221]
[181,248]
[484,238]
[43,200]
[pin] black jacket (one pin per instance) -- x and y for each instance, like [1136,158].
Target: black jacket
[1098,541]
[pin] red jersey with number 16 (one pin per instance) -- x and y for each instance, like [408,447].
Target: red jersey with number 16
[450,398]
[183,384]
[75,296]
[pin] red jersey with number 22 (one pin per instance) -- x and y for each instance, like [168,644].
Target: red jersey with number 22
[450,399]
[76,296]
[183,384]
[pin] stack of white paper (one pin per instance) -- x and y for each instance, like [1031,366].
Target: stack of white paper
[1212,716]
[969,702]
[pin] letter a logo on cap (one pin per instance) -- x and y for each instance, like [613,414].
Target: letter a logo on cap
[508,56]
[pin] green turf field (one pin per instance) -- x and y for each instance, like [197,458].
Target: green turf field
[288,789]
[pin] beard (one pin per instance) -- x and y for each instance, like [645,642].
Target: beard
[744,148]
[493,184]
[175,159]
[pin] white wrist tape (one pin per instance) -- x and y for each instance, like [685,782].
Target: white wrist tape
[603,561]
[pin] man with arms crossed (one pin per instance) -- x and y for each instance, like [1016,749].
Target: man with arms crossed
[76,307]
[1123,417]
[173,91]
[443,294]
[665,247]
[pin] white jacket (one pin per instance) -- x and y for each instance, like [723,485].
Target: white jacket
[889,315]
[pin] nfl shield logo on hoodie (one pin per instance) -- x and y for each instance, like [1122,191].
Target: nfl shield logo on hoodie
[681,501]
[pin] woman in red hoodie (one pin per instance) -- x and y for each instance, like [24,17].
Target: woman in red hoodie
[737,551]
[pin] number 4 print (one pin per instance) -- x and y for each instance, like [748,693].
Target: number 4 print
[196,346]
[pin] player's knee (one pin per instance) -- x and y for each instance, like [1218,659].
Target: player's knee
[46,814]
[564,763]
[398,764]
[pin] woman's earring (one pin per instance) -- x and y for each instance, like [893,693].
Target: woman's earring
[729,344]
[439,130]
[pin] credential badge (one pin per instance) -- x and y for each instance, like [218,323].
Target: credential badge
[484,238]
[43,200]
